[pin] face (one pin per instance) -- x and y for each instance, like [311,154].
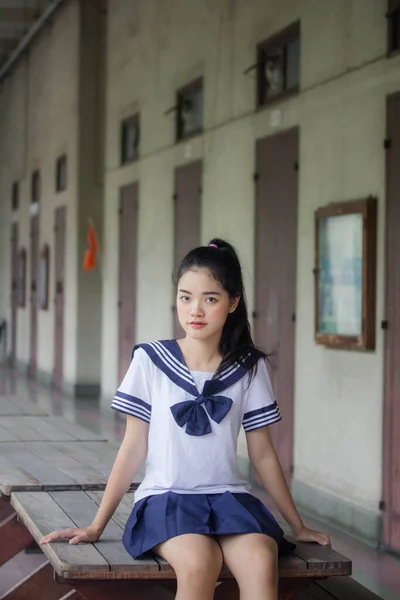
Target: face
[203,305]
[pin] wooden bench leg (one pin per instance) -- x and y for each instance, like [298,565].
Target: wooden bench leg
[122,590]
[5,509]
[73,595]
[289,588]
[14,537]
[39,584]
[227,590]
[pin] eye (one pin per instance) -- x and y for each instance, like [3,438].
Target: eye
[211,300]
[184,298]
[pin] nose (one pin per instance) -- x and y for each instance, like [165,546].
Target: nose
[196,310]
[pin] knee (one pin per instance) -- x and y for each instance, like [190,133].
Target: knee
[199,568]
[264,566]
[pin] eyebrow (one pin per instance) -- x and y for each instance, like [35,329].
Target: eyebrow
[203,293]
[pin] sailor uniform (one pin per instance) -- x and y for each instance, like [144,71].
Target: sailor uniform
[192,482]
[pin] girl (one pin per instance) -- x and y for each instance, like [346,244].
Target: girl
[185,402]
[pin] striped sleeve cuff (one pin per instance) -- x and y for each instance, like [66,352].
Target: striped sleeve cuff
[261,417]
[131,405]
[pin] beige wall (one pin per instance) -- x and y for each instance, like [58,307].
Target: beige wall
[152,50]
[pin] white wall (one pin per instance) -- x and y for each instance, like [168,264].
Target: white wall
[154,48]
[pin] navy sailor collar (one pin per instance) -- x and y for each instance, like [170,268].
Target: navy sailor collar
[168,357]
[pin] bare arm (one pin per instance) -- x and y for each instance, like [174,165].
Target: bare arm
[130,457]
[266,464]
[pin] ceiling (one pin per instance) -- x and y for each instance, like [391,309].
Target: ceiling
[16,18]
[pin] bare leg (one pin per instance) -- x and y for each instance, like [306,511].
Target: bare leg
[197,561]
[252,559]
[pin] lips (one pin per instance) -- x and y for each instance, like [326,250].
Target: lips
[197,324]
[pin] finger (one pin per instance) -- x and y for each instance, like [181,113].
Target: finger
[56,535]
[75,540]
[324,540]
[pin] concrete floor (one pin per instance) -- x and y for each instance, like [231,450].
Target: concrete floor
[378,571]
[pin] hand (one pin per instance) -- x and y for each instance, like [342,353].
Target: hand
[74,535]
[309,535]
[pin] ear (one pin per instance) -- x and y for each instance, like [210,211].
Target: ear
[234,304]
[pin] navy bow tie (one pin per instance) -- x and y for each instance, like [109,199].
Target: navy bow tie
[192,414]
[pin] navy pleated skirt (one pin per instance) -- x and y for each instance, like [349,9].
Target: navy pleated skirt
[158,518]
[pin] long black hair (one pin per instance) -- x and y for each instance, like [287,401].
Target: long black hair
[221,260]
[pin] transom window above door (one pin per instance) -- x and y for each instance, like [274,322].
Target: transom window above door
[393,23]
[61,173]
[35,187]
[189,110]
[278,65]
[130,139]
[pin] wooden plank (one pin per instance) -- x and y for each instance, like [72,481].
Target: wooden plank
[7,436]
[345,588]
[16,407]
[24,428]
[76,431]
[41,429]
[81,508]
[12,478]
[124,509]
[47,428]
[41,515]
[104,450]
[34,466]
[83,474]
[320,558]
[39,584]
[14,538]
[21,429]
[100,455]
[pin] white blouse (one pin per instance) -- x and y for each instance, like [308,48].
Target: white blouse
[194,419]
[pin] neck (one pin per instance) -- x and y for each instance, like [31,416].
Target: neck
[201,355]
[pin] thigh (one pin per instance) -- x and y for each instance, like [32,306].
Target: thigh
[251,557]
[192,552]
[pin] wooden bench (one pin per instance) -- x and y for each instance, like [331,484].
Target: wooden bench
[11,406]
[337,588]
[105,570]
[34,466]
[43,429]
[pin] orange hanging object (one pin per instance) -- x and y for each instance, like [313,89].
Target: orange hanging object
[89,261]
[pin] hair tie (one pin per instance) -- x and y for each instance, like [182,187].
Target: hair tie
[212,246]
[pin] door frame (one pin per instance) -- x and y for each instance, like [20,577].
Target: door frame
[273,136]
[135,186]
[59,376]
[388,395]
[14,291]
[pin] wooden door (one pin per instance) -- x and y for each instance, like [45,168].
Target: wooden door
[391,437]
[14,294]
[128,236]
[275,274]
[60,223]
[187,217]
[34,266]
